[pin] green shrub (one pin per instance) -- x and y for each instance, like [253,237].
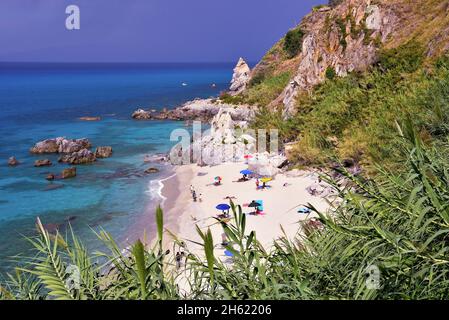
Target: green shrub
[406,58]
[293,42]
[330,73]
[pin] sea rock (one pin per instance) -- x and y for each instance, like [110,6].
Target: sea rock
[46,146]
[12,161]
[68,173]
[240,78]
[202,110]
[60,145]
[156,158]
[42,163]
[141,114]
[103,152]
[151,170]
[345,38]
[90,118]
[81,157]
[69,146]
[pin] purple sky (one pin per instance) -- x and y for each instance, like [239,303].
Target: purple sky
[146,30]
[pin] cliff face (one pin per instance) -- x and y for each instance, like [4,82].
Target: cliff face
[338,40]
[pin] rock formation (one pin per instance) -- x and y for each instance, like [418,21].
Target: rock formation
[81,157]
[103,152]
[12,161]
[141,114]
[42,163]
[226,141]
[151,170]
[60,145]
[198,109]
[90,118]
[344,39]
[68,173]
[240,78]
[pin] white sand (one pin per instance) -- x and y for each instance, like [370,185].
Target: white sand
[280,203]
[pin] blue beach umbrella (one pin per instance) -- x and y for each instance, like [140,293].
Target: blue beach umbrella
[223,207]
[228,253]
[247,172]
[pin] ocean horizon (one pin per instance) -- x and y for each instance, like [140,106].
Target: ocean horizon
[45,100]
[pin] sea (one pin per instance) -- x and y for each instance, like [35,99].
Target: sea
[45,100]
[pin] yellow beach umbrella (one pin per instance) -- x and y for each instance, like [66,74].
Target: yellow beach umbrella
[264,180]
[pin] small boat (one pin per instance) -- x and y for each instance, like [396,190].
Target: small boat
[184,84]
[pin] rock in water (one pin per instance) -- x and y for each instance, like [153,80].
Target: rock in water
[240,78]
[90,118]
[69,146]
[60,145]
[103,152]
[68,173]
[152,170]
[12,161]
[81,157]
[46,146]
[141,114]
[42,163]
[50,177]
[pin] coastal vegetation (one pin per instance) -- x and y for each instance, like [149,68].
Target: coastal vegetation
[355,116]
[386,239]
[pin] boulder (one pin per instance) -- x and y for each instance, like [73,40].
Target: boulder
[69,146]
[68,173]
[222,143]
[90,118]
[240,78]
[141,114]
[81,157]
[42,163]
[12,161]
[46,146]
[103,152]
[151,170]
[60,145]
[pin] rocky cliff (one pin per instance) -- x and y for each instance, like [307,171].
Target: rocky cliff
[334,41]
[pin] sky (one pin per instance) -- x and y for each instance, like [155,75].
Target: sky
[146,30]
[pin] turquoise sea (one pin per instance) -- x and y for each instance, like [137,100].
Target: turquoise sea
[40,101]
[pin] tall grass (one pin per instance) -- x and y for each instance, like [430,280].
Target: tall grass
[397,224]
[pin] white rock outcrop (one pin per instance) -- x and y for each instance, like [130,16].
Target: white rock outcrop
[225,141]
[240,78]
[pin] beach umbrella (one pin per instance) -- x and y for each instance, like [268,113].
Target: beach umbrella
[247,172]
[253,204]
[228,253]
[218,178]
[247,157]
[265,180]
[223,207]
[304,210]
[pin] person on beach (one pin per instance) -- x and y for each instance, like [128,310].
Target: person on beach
[257,183]
[178,260]
[192,189]
[194,196]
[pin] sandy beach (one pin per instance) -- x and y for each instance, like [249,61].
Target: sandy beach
[280,203]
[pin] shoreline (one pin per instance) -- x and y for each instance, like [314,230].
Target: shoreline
[182,215]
